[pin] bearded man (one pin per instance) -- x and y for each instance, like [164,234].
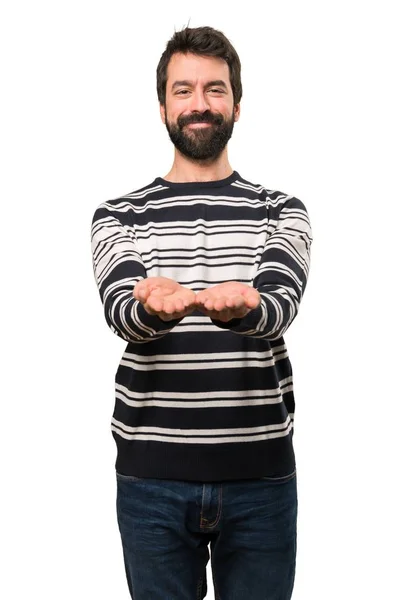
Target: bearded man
[201,272]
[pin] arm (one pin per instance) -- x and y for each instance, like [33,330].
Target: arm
[118,267]
[280,279]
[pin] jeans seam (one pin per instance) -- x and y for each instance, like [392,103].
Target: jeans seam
[280,479]
[200,588]
[207,525]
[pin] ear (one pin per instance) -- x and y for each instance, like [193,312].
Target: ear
[162,113]
[236,111]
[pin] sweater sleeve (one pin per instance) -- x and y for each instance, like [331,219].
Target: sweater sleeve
[117,267]
[281,276]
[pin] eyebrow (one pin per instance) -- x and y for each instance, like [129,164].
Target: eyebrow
[218,82]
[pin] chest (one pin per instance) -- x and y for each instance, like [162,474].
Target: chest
[204,251]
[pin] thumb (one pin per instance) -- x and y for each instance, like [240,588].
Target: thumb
[141,291]
[252,298]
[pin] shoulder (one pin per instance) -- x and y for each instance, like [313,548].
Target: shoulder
[121,206]
[274,198]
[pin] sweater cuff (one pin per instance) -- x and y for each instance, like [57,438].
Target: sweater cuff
[153,321]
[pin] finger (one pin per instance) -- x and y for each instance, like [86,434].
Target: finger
[189,305]
[155,303]
[253,300]
[223,315]
[165,316]
[209,304]
[179,305]
[189,298]
[184,300]
[252,297]
[201,298]
[173,306]
[140,291]
[149,310]
[235,302]
[220,304]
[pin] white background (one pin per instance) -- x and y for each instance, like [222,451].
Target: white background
[80,125]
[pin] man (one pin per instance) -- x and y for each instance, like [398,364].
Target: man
[202,272]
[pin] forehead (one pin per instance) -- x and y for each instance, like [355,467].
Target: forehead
[196,68]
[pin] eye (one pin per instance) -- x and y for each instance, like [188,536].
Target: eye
[182,92]
[216,91]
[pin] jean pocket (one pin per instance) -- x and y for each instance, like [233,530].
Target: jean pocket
[283,479]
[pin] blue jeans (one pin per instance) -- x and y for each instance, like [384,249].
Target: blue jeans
[166,526]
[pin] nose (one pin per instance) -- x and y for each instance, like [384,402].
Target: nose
[199,102]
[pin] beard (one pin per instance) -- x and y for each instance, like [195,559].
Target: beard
[202,143]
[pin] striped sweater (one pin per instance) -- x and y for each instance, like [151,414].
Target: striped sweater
[197,399]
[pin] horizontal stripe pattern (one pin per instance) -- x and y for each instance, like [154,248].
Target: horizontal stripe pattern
[201,399]
[233,381]
[198,436]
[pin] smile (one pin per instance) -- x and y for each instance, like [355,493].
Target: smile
[198,125]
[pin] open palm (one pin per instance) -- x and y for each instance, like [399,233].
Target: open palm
[165,298]
[229,300]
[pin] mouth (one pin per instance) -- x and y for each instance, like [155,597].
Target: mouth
[198,125]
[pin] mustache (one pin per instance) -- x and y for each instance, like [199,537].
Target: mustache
[205,117]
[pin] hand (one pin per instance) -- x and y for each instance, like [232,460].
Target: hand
[165,298]
[226,301]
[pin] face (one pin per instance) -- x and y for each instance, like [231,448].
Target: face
[199,112]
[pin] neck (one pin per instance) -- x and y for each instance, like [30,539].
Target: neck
[186,170]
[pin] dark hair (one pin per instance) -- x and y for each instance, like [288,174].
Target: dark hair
[203,41]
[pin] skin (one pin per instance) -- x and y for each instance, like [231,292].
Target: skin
[199,96]
[162,296]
